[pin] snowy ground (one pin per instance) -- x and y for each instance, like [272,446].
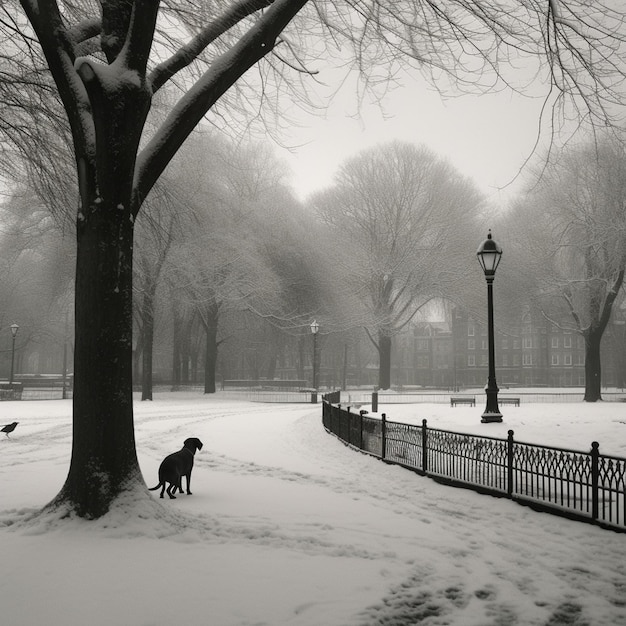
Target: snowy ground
[287,526]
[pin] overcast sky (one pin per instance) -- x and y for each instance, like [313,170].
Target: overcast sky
[486,137]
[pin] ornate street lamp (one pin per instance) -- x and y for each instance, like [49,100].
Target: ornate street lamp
[14,329]
[314,330]
[489,254]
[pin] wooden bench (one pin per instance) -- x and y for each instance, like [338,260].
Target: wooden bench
[514,401]
[471,400]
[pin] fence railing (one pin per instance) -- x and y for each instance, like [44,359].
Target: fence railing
[588,486]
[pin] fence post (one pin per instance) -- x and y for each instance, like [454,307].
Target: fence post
[595,478]
[361,430]
[424,447]
[509,464]
[375,402]
[383,447]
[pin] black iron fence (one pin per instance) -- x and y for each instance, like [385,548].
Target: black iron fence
[588,486]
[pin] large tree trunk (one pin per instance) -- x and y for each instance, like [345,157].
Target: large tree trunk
[384,361]
[104,460]
[593,368]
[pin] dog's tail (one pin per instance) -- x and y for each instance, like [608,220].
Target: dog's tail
[155,488]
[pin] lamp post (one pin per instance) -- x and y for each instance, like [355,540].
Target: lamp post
[314,330]
[14,329]
[489,254]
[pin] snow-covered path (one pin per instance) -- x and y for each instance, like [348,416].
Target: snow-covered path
[286,526]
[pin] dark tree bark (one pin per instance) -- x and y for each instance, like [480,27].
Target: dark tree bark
[104,459]
[270,371]
[593,367]
[602,303]
[185,352]
[176,356]
[384,356]
[210,363]
[148,342]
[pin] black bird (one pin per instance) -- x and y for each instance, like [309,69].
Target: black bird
[9,428]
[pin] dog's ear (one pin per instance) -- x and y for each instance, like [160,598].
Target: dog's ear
[199,444]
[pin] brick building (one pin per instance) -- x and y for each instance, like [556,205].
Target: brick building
[532,352]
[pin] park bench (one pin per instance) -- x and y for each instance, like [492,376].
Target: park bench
[471,400]
[514,401]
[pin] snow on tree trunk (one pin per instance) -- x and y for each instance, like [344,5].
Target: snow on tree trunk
[104,460]
[103,452]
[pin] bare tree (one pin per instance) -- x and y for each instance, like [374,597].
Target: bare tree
[106,63]
[36,261]
[155,234]
[574,233]
[403,214]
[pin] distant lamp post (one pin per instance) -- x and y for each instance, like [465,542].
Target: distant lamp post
[314,330]
[14,329]
[489,254]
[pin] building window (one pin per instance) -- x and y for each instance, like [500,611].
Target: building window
[515,344]
[528,359]
[528,342]
[580,360]
[485,344]
[470,331]
[471,360]
[567,359]
[555,359]
[555,342]
[516,359]
[471,344]
[485,360]
[505,344]
[567,341]
[505,360]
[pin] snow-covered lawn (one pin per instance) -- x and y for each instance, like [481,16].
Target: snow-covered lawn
[289,526]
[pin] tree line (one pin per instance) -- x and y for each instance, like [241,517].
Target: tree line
[233,257]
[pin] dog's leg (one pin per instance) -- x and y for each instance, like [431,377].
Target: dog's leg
[188,476]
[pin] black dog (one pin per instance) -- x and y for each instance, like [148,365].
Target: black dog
[9,428]
[177,465]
